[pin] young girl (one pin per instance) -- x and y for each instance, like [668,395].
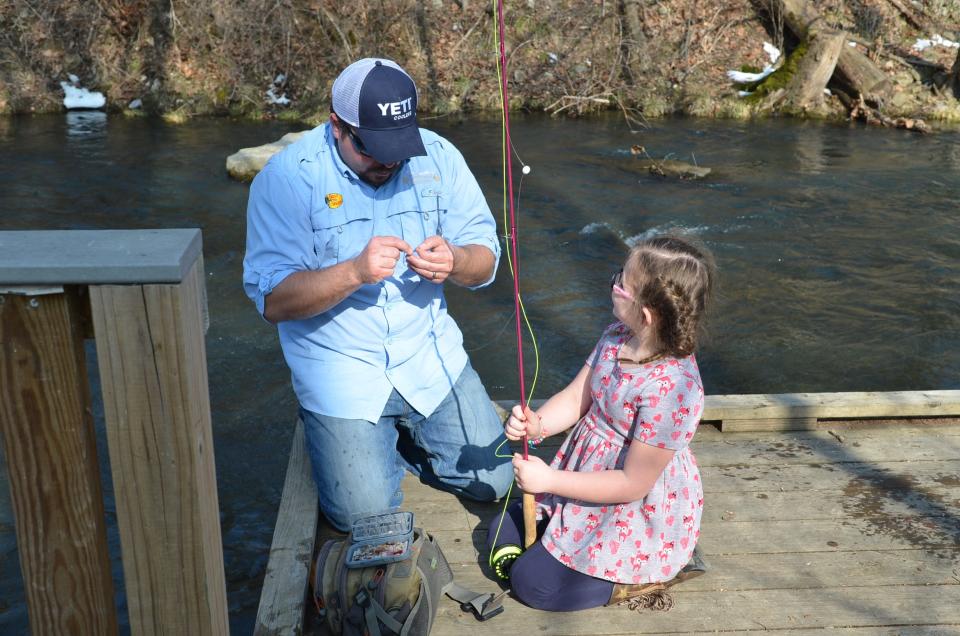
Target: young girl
[620,504]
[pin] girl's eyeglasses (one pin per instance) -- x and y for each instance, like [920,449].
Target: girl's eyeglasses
[616,284]
[355,140]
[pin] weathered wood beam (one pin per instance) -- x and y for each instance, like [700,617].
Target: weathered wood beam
[51,457]
[871,404]
[153,366]
[792,411]
[286,584]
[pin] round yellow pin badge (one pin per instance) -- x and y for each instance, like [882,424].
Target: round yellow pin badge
[334,200]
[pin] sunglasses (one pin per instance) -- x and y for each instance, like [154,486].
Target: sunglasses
[355,140]
[616,284]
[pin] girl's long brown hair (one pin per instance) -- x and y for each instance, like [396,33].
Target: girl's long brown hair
[674,279]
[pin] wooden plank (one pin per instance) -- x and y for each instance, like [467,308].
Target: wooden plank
[153,367]
[731,425]
[797,505]
[766,537]
[747,480]
[833,405]
[51,459]
[893,524]
[872,609]
[814,570]
[820,447]
[286,584]
[840,405]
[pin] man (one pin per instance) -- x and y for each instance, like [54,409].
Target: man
[351,233]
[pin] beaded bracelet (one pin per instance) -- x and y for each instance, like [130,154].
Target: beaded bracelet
[533,443]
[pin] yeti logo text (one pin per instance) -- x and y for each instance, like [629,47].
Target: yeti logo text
[399,110]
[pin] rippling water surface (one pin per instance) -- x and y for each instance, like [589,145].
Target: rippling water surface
[839,251]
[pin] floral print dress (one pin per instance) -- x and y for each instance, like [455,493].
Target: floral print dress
[658,403]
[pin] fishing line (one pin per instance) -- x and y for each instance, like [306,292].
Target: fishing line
[501,558]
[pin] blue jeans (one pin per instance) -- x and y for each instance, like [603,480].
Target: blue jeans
[358,465]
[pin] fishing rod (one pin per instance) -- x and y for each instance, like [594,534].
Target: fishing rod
[529,504]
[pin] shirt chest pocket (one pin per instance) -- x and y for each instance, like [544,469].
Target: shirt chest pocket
[339,236]
[422,216]
[413,226]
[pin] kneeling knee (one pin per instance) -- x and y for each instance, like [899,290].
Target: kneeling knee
[528,586]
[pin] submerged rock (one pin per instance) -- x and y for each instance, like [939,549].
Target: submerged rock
[244,164]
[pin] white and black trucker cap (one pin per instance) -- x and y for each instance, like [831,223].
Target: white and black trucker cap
[379,101]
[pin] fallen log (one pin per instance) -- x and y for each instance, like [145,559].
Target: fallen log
[805,90]
[853,69]
[955,77]
[669,167]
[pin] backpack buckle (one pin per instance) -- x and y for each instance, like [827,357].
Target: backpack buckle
[485,607]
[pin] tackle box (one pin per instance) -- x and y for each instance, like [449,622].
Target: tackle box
[379,539]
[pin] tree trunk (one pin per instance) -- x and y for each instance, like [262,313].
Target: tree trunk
[955,77]
[805,90]
[633,41]
[854,69]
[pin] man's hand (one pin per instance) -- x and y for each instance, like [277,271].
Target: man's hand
[379,258]
[433,259]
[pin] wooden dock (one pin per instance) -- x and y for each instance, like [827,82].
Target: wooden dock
[850,527]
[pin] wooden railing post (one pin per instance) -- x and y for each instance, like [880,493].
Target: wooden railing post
[148,304]
[51,456]
[153,368]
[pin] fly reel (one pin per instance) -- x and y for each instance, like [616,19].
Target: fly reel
[503,558]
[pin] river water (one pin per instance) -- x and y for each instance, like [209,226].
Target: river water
[838,246]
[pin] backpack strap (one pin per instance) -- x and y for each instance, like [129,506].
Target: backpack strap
[374,612]
[483,605]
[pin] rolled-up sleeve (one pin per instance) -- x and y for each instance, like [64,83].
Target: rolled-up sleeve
[468,220]
[279,234]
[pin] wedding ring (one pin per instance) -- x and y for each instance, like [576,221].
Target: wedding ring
[433,275]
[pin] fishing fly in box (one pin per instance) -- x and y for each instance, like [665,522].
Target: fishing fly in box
[379,539]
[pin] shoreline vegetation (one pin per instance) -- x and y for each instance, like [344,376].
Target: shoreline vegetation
[892,63]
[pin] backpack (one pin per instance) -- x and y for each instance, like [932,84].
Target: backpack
[397,598]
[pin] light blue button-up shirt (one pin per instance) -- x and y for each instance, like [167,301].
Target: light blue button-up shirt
[308,210]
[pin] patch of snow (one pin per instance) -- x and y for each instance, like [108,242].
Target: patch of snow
[553,58]
[854,44]
[273,98]
[742,77]
[135,104]
[744,93]
[79,97]
[73,79]
[280,79]
[771,51]
[936,40]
